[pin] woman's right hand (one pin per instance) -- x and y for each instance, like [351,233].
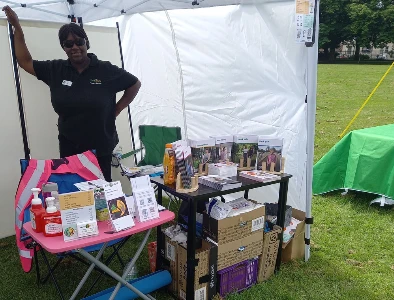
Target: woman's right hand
[12,17]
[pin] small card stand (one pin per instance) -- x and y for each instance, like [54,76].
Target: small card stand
[272,168]
[248,164]
[202,169]
[179,186]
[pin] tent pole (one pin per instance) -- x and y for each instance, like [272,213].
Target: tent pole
[19,93]
[128,106]
[311,111]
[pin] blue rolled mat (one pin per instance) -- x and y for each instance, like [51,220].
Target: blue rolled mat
[145,284]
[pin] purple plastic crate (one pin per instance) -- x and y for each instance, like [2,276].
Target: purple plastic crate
[238,277]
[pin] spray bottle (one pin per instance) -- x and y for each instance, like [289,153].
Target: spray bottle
[52,222]
[36,211]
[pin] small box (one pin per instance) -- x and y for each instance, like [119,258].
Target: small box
[231,229]
[295,248]
[203,152]
[223,169]
[267,260]
[240,250]
[205,271]
[271,212]
[223,145]
[244,150]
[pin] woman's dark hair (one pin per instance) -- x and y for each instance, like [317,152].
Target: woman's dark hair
[74,29]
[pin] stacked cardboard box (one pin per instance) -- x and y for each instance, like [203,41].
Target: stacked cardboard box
[238,238]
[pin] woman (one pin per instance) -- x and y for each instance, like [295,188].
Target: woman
[83,92]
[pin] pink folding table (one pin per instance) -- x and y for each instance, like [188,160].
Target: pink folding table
[57,245]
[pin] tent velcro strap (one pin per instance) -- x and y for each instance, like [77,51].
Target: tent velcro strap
[309,220]
[307,241]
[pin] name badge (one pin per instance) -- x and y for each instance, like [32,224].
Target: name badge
[66,82]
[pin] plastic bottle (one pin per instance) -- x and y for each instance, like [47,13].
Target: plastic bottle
[36,211]
[169,165]
[51,220]
[50,189]
[133,273]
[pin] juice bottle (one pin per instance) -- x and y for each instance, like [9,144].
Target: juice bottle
[169,165]
[52,222]
[36,211]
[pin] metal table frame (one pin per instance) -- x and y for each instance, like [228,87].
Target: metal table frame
[41,243]
[203,194]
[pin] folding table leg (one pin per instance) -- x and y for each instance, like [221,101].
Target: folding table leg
[51,273]
[111,273]
[53,269]
[37,265]
[107,262]
[281,218]
[85,277]
[132,263]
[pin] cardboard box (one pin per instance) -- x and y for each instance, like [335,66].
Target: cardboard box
[205,271]
[231,229]
[240,250]
[295,248]
[171,255]
[267,260]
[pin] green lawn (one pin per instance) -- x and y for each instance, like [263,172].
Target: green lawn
[352,244]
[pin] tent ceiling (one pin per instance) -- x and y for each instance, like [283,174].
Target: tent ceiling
[92,10]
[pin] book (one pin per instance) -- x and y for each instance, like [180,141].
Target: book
[219,183]
[269,154]
[203,151]
[223,148]
[245,147]
[259,175]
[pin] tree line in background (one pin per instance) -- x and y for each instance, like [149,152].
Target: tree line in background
[361,23]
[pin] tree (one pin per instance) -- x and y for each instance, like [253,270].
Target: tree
[334,26]
[371,23]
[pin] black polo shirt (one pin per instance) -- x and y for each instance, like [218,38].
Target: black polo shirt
[85,102]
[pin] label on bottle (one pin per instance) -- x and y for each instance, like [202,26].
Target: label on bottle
[52,228]
[33,220]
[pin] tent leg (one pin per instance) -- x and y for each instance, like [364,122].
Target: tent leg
[311,111]
[19,93]
[128,106]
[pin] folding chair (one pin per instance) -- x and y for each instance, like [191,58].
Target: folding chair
[65,184]
[154,139]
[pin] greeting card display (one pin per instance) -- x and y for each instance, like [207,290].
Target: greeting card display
[144,199]
[120,217]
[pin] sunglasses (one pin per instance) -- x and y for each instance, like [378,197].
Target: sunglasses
[70,43]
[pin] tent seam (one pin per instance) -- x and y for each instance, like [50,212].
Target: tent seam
[179,70]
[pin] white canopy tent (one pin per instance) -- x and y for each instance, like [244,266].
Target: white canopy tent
[225,70]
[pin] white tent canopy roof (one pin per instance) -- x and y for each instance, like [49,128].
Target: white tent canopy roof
[92,10]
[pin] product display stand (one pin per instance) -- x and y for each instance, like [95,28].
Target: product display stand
[203,169]
[248,164]
[179,185]
[272,168]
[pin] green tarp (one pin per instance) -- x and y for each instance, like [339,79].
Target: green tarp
[363,160]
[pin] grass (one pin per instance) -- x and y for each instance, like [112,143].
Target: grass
[352,255]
